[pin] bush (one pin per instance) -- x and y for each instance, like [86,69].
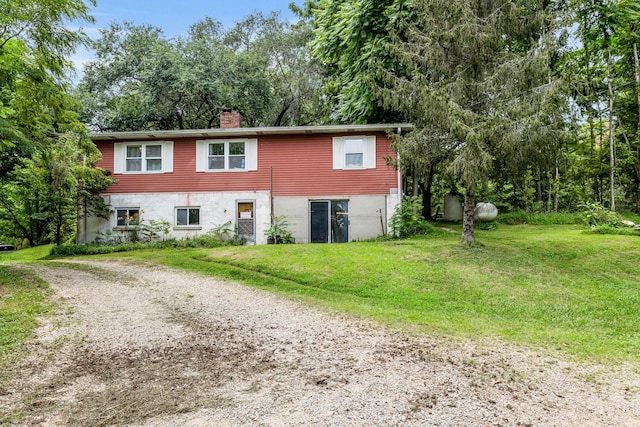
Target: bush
[522,217]
[607,229]
[210,240]
[407,220]
[596,215]
[513,218]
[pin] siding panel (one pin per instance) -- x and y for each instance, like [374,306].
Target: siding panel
[302,166]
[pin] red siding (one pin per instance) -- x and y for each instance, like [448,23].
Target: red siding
[302,166]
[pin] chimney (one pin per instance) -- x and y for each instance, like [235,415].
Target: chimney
[230,119]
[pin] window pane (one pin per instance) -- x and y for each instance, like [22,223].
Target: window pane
[236,162]
[216,149]
[236,148]
[134,151]
[194,216]
[134,217]
[134,165]
[216,162]
[154,151]
[352,146]
[353,160]
[181,217]
[121,218]
[154,165]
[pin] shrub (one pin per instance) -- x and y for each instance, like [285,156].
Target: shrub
[407,220]
[522,217]
[278,231]
[595,215]
[608,229]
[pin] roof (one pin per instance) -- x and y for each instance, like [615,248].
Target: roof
[239,132]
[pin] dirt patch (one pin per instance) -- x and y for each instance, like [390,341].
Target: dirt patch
[149,346]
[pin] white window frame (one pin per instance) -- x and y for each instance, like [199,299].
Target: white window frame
[250,155]
[120,157]
[187,226]
[341,149]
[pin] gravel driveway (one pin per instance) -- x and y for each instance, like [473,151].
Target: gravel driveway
[149,346]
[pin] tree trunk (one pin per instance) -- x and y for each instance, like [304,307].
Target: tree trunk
[468,235]
[556,189]
[612,158]
[427,195]
[636,73]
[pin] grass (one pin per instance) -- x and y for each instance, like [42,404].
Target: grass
[26,255]
[547,287]
[23,298]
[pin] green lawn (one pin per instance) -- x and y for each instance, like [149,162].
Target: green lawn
[551,287]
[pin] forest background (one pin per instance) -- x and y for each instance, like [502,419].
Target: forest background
[531,105]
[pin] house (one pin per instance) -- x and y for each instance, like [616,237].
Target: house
[332,182]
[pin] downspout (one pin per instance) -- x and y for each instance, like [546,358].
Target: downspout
[399,173]
[271,194]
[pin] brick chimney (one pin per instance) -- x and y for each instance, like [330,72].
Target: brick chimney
[230,119]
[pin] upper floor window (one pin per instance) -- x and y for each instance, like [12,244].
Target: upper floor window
[234,155]
[150,157]
[354,152]
[227,155]
[147,158]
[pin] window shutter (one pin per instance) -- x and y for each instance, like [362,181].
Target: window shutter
[338,153]
[370,152]
[118,157]
[167,157]
[251,154]
[201,156]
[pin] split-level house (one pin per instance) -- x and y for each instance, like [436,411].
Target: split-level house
[333,183]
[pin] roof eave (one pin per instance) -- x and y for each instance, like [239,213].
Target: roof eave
[238,132]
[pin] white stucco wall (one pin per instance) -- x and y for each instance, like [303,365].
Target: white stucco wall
[367,214]
[216,208]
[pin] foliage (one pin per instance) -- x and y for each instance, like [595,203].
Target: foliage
[278,230]
[522,217]
[223,232]
[595,215]
[349,38]
[407,220]
[47,173]
[141,80]
[609,229]
[119,244]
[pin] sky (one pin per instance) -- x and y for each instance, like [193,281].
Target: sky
[175,17]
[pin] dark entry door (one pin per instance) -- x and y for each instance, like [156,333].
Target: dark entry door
[329,221]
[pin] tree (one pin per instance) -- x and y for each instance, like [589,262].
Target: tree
[349,37]
[44,150]
[479,74]
[605,77]
[143,81]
